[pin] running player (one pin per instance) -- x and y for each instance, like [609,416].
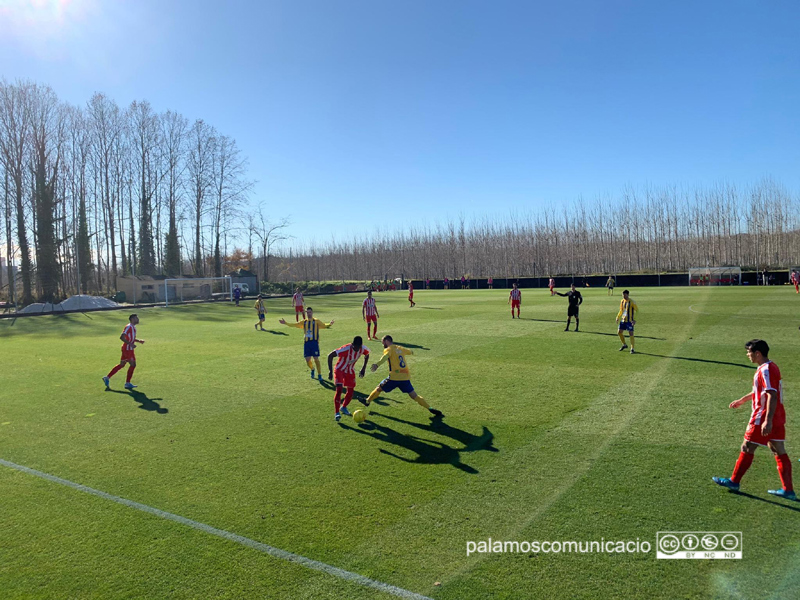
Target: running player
[345,374]
[514,298]
[299,304]
[129,342]
[398,375]
[795,279]
[767,426]
[262,312]
[626,319]
[610,285]
[552,285]
[411,295]
[310,327]
[575,300]
[369,313]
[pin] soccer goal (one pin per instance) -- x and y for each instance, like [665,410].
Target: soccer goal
[192,289]
[715,276]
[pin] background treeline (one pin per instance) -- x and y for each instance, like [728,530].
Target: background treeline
[641,230]
[92,192]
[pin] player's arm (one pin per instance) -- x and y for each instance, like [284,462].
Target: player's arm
[298,325]
[406,350]
[580,299]
[560,294]
[619,314]
[364,366]
[741,401]
[364,312]
[330,364]
[382,360]
[634,310]
[772,404]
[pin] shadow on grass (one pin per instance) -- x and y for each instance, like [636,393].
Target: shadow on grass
[638,337]
[428,452]
[542,320]
[428,307]
[705,360]
[145,403]
[768,501]
[274,332]
[471,442]
[411,345]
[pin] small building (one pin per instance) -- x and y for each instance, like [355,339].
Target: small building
[243,277]
[146,289]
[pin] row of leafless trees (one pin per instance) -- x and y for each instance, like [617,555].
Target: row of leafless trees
[641,230]
[91,192]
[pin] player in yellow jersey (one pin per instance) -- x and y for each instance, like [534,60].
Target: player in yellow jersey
[399,376]
[262,312]
[626,319]
[310,327]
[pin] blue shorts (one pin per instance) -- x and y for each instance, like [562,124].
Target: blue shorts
[310,348]
[387,385]
[626,326]
[261,316]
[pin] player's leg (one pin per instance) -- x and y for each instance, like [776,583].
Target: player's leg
[630,335]
[347,398]
[129,375]
[424,403]
[375,393]
[296,315]
[319,370]
[577,322]
[784,470]
[375,329]
[743,463]
[569,320]
[337,401]
[112,372]
[621,334]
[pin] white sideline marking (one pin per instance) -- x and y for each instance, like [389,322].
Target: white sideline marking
[276,552]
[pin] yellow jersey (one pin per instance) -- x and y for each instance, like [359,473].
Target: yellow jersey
[310,328]
[398,363]
[260,308]
[627,308]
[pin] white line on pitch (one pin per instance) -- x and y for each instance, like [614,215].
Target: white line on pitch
[276,552]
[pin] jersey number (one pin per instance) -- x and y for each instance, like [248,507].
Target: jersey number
[402,362]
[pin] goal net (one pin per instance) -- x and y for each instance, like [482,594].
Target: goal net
[715,276]
[192,289]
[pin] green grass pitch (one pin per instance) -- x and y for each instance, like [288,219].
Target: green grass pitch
[548,435]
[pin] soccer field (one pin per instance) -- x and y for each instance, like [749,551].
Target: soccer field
[548,436]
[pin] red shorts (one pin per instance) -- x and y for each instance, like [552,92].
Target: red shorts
[347,380]
[298,309]
[372,319]
[515,304]
[411,296]
[129,355]
[754,435]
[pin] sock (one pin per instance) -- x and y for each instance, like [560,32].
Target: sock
[621,337]
[375,393]
[632,341]
[130,373]
[744,462]
[785,471]
[316,362]
[114,370]
[310,363]
[422,402]
[348,396]
[337,399]
[375,333]
[518,313]
[577,323]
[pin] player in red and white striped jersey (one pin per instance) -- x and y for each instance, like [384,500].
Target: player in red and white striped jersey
[299,305]
[369,312]
[767,426]
[514,298]
[129,342]
[345,372]
[795,279]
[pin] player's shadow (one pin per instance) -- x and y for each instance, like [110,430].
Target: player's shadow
[705,360]
[274,332]
[542,320]
[145,403]
[428,307]
[638,337]
[471,442]
[411,346]
[428,452]
[776,503]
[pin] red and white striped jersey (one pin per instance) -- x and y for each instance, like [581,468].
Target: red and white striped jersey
[795,278]
[369,307]
[348,357]
[297,299]
[515,295]
[551,283]
[767,377]
[130,336]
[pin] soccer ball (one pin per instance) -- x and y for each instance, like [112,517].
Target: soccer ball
[359,416]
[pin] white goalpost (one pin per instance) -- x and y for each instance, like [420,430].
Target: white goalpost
[188,289]
[715,276]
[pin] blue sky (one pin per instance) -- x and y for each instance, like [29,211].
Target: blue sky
[366,115]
